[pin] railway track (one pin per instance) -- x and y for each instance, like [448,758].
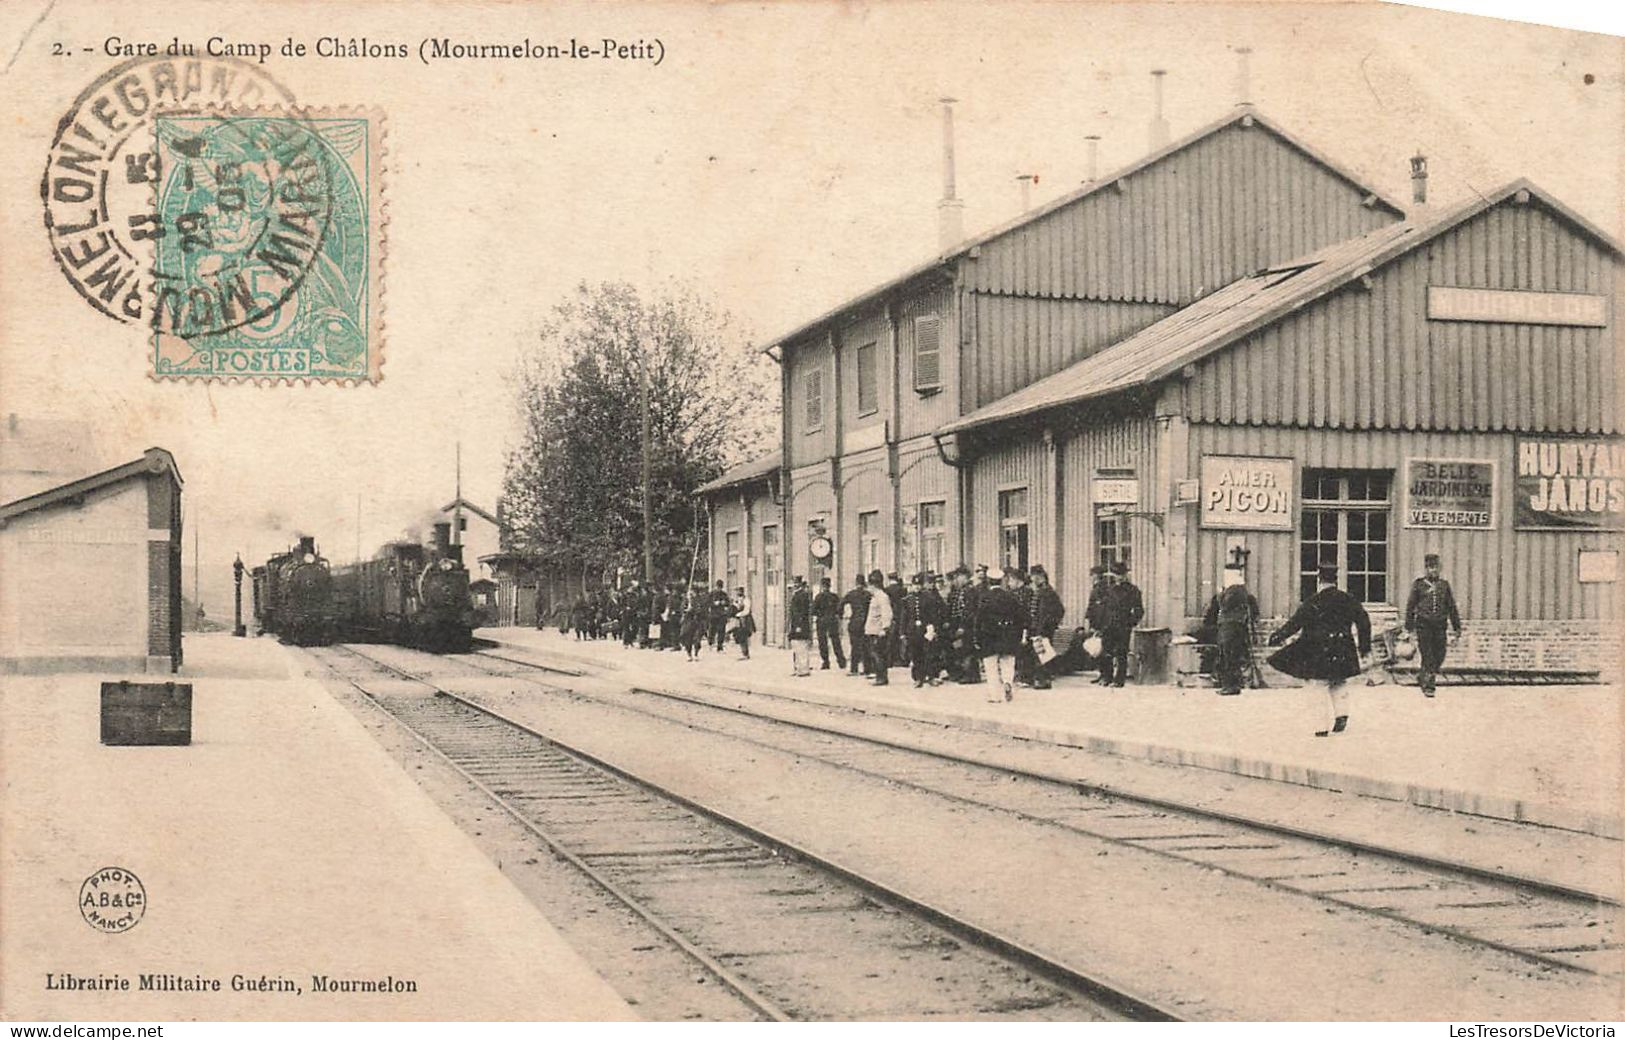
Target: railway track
[794,936]
[1547,925]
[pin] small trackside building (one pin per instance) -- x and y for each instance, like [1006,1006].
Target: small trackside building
[744,540]
[1441,385]
[90,573]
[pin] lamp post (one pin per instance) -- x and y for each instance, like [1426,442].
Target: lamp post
[237,575]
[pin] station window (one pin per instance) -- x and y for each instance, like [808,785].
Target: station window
[927,353]
[869,541]
[1013,528]
[868,381]
[1345,523]
[813,389]
[933,536]
[730,556]
[1112,538]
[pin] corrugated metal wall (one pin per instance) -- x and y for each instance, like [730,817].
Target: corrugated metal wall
[1128,443]
[808,447]
[1020,461]
[923,413]
[1496,574]
[1020,340]
[1372,358]
[1227,205]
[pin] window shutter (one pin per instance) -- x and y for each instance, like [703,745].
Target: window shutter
[868,386]
[815,400]
[927,353]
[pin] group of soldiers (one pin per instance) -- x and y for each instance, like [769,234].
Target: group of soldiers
[984,626]
[676,617]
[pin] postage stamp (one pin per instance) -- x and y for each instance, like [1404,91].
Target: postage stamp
[268,245]
[97,188]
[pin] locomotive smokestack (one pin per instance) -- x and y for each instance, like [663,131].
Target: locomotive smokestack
[307,544]
[950,209]
[442,536]
[1244,76]
[1419,179]
[1094,157]
[455,552]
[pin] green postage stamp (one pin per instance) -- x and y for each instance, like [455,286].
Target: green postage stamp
[268,241]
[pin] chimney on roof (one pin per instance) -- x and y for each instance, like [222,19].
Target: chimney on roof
[1159,125]
[1094,157]
[950,209]
[1244,76]
[1419,179]
[1026,180]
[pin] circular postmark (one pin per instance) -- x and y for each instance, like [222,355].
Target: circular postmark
[112,900]
[99,186]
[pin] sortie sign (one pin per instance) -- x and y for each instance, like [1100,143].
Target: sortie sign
[1247,493]
[1450,494]
[1568,484]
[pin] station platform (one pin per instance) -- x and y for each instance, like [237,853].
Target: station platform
[282,844]
[1546,755]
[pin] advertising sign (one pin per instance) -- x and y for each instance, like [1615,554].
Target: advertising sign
[1448,303]
[1117,491]
[1247,493]
[1450,494]
[1568,484]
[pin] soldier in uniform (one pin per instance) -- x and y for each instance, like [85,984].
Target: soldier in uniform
[1430,607]
[897,651]
[1122,610]
[1326,650]
[1100,582]
[855,607]
[1231,616]
[826,608]
[1045,611]
[721,610]
[799,632]
[1000,629]
[921,624]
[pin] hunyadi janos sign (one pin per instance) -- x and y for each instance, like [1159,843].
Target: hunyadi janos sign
[1568,483]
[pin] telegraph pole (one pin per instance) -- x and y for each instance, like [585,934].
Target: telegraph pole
[648,501]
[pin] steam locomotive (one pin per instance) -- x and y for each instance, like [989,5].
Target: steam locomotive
[411,594]
[293,594]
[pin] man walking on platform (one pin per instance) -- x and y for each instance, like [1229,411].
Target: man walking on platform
[1431,606]
[878,625]
[1122,610]
[799,631]
[1232,614]
[855,605]
[1000,628]
[826,608]
[1326,650]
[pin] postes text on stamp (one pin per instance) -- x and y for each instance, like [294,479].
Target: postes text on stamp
[268,244]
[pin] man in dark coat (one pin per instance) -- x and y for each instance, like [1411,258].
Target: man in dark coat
[1230,617]
[800,630]
[1430,607]
[895,592]
[855,606]
[1043,618]
[1000,628]
[921,624]
[721,611]
[1120,611]
[1092,614]
[826,608]
[1330,622]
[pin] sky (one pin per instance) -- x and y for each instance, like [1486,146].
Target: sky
[780,159]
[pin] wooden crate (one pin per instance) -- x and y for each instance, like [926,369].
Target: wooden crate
[140,713]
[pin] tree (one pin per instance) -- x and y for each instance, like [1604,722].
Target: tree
[573,487]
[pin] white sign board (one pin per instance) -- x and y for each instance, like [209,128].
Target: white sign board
[1599,565]
[1116,491]
[1247,493]
[1449,303]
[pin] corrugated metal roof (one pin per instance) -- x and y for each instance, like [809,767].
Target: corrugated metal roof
[1246,113]
[1238,309]
[756,469]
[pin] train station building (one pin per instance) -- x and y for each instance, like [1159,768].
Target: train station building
[1230,344]
[91,564]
